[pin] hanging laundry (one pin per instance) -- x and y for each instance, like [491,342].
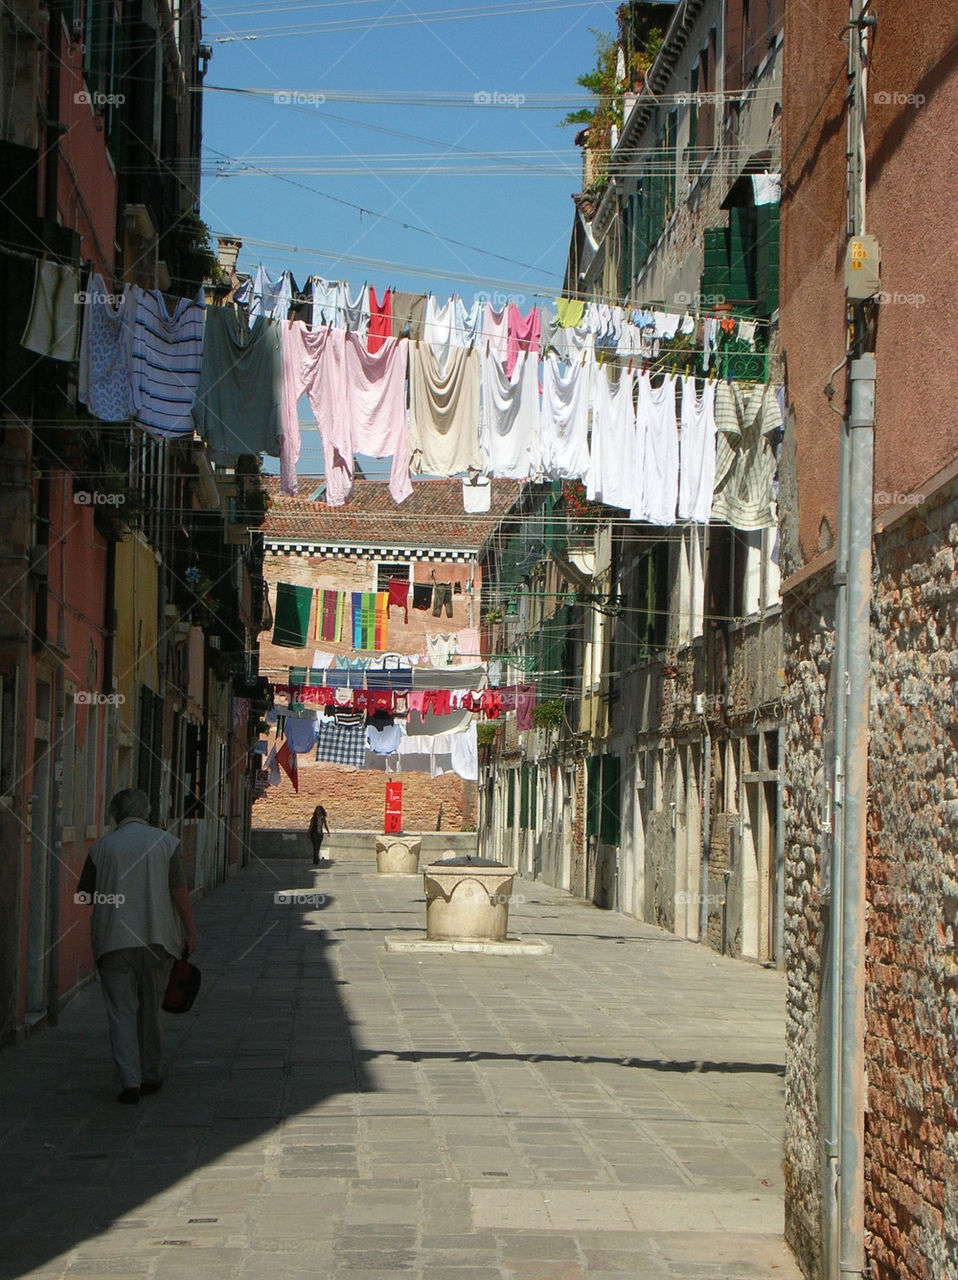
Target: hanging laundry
[315,363]
[338,743]
[444,411]
[630,341]
[612,477]
[270,296]
[471,322]
[564,421]
[441,648]
[330,613]
[356,312]
[380,320]
[301,732]
[509,417]
[328,310]
[569,312]
[442,599]
[293,604]
[370,619]
[288,763]
[422,595]
[666,323]
[272,768]
[239,401]
[53,326]
[408,315]
[476,496]
[697,451]
[321,659]
[376,401]
[397,590]
[384,741]
[525,705]
[391,671]
[748,423]
[301,302]
[355,669]
[167,359]
[464,752]
[467,645]
[495,331]
[746,332]
[106,352]
[571,344]
[523,335]
[767,187]
[655,421]
[709,330]
[442,329]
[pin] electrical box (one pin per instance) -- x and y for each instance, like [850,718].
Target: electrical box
[862,269]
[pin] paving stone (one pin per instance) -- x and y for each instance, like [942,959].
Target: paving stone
[358,1114]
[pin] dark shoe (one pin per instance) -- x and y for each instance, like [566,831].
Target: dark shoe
[128,1095]
[150,1086]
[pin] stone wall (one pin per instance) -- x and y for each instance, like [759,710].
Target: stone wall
[911,1133]
[808,633]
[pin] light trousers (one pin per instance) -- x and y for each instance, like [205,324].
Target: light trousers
[134,982]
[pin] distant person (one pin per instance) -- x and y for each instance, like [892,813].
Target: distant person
[317,825]
[134,878]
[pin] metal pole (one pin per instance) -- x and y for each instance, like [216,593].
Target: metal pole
[852,1158]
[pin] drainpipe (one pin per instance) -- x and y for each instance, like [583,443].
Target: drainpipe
[780,862]
[852,1154]
[55,860]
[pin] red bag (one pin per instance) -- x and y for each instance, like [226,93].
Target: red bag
[182,988]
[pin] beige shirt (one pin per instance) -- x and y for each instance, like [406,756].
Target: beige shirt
[137,866]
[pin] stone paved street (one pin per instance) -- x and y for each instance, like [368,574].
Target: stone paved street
[330,1109]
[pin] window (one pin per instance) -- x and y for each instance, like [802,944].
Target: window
[8,726]
[609,821]
[511,799]
[68,756]
[386,571]
[92,771]
[593,810]
[652,600]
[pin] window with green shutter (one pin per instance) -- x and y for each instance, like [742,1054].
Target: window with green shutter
[609,820]
[524,797]
[593,808]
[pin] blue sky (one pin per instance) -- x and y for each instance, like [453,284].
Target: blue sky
[532,47]
[523,215]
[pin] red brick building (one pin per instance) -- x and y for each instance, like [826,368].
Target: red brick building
[428,540]
[911,872]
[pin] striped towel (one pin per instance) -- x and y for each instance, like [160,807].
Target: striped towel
[370,619]
[329,616]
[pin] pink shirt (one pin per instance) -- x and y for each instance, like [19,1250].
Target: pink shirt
[495,331]
[376,396]
[523,334]
[313,362]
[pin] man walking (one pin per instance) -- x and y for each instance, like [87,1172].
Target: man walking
[134,878]
[317,825]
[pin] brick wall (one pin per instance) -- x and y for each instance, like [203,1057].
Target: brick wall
[911,1134]
[355,799]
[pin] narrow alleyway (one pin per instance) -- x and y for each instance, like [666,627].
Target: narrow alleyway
[334,1110]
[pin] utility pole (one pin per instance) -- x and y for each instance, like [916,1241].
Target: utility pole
[845,1096]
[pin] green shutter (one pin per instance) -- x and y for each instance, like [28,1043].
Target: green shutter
[511,799]
[594,796]
[609,823]
[524,797]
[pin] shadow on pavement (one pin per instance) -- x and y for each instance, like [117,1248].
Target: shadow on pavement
[268,1038]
